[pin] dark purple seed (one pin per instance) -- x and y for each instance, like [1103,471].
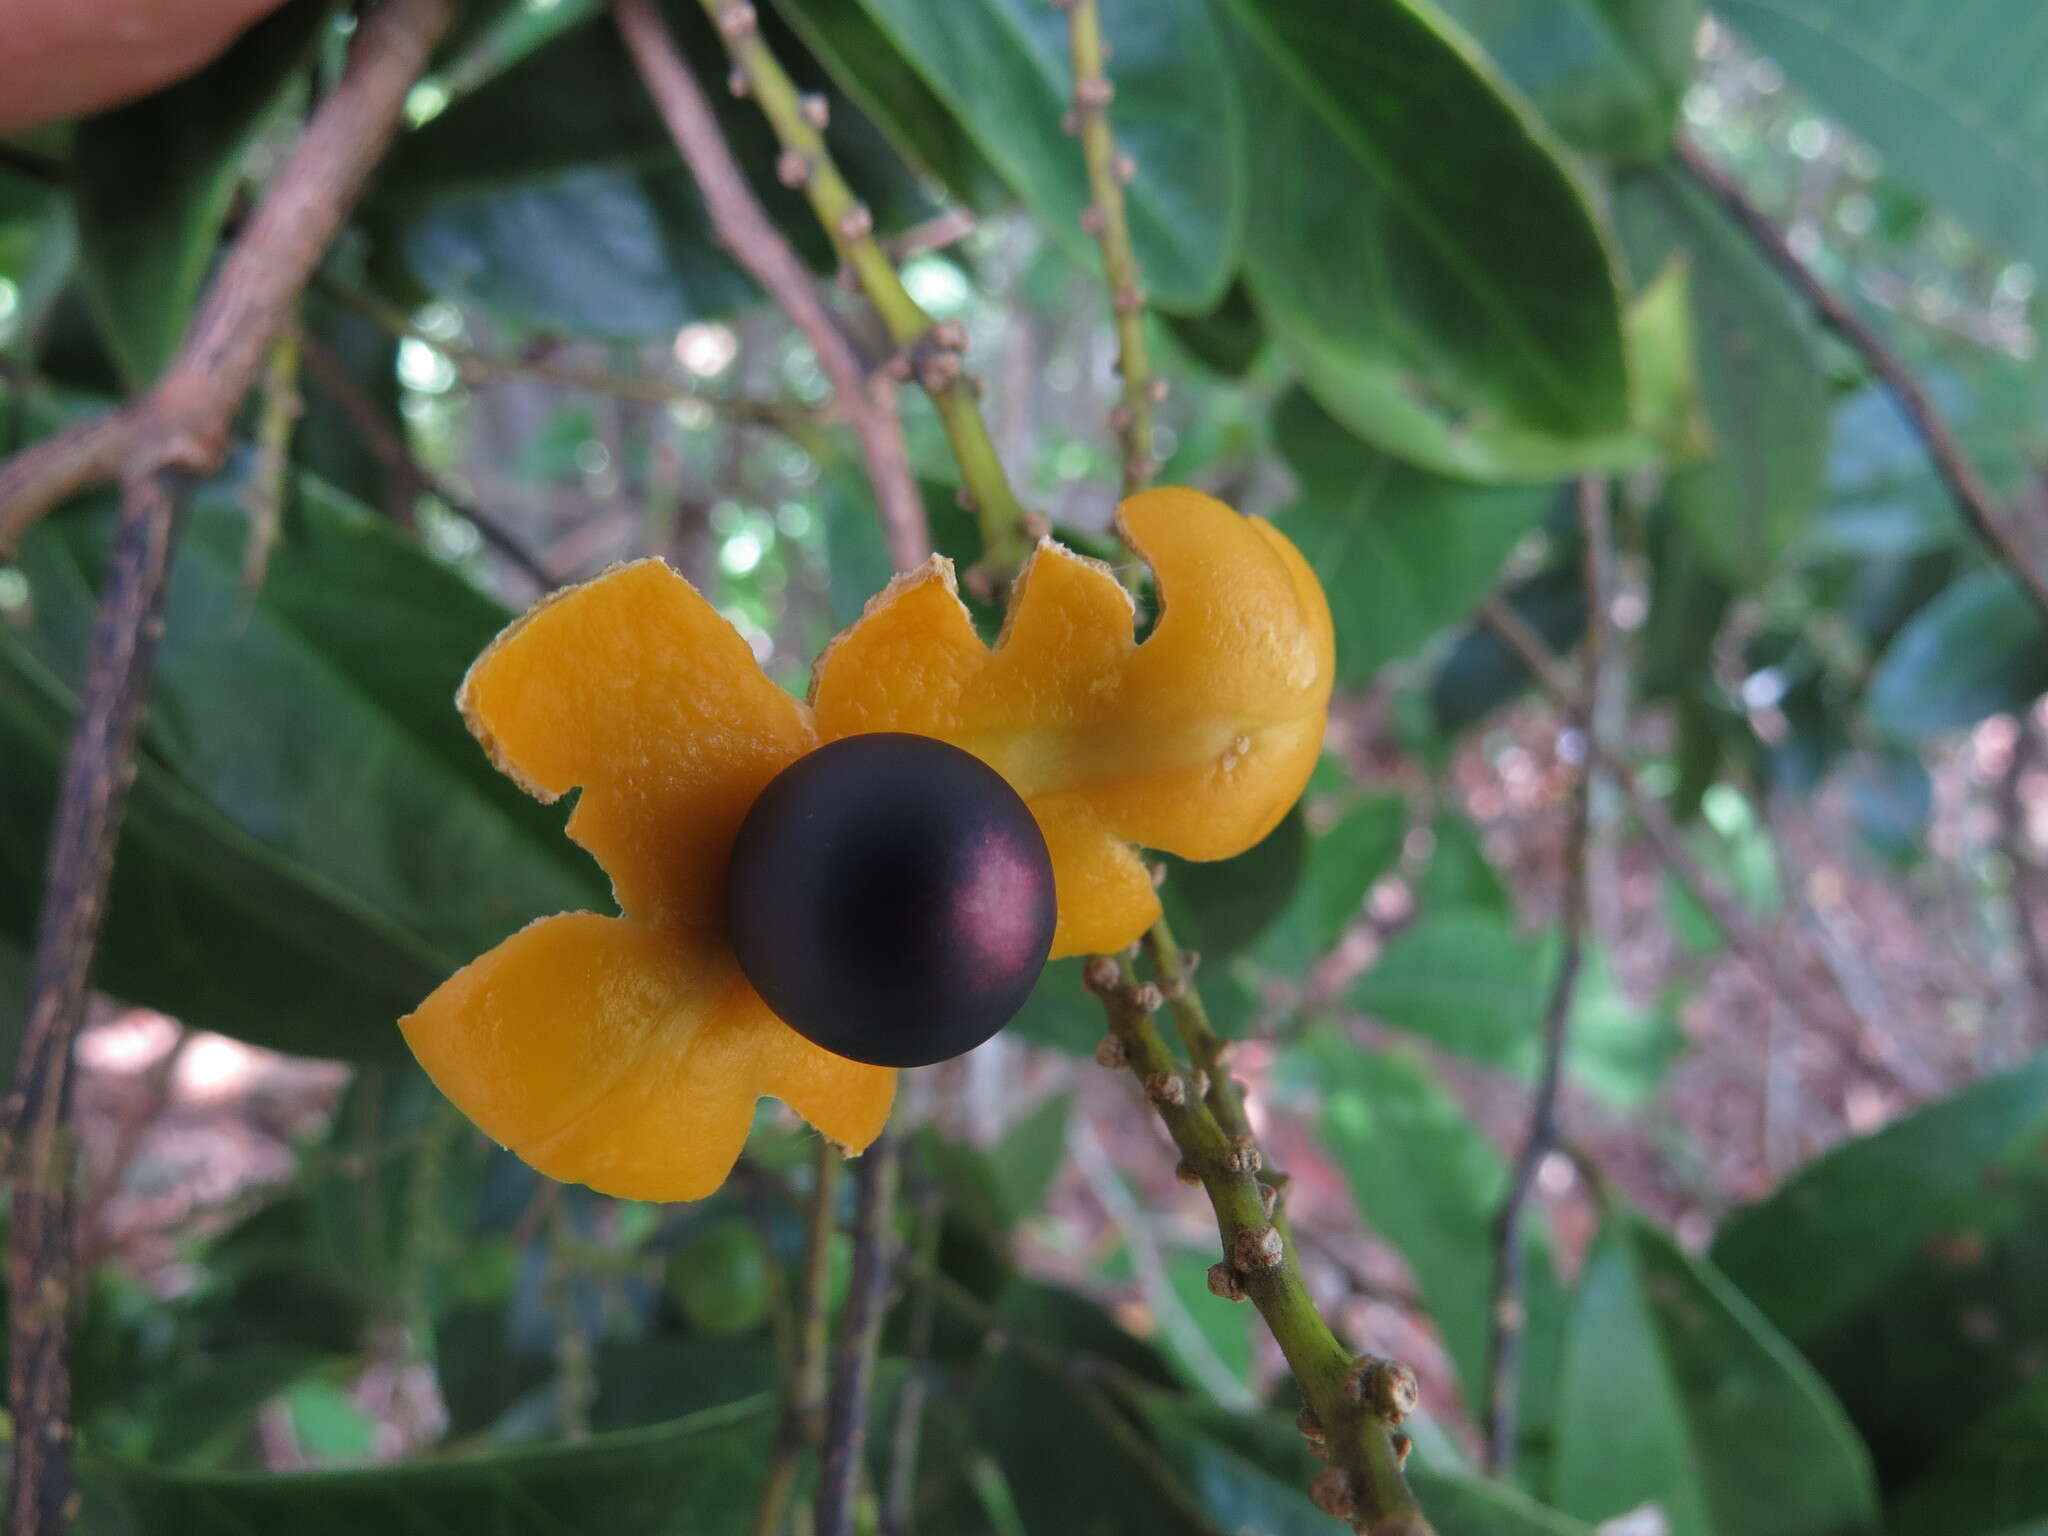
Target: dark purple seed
[891,898]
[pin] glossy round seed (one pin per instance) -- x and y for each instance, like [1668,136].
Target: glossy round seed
[891,898]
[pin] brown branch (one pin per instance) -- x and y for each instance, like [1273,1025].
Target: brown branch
[1743,935]
[406,479]
[860,1328]
[928,1207]
[1506,1313]
[59,467]
[804,1403]
[1974,497]
[174,433]
[745,230]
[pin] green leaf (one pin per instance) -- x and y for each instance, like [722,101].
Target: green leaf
[38,248]
[1942,92]
[1760,373]
[1402,553]
[153,180]
[1228,339]
[1465,981]
[304,779]
[1993,1476]
[1343,863]
[1620,1049]
[1676,1392]
[875,73]
[1423,1178]
[1912,1266]
[1003,67]
[203,1417]
[1219,908]
[1252,1472]
[1606,74]
[1483,672]
[700,1473]
[1427,259]
[1976,650]
[1061,1012]
[552,197]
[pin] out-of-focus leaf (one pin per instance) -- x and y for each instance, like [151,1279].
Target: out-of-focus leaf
[315,840]
[1464,980]
[1402,553]
[701,1473]
[152,182]
[870,68]
[553,197]
[1003,67]
[1252,1472]
[1220,908]
[489,38]
[1976,650]
[1689,598]
[1912,1267]
[1428,261]
[1892,797]
[1766,400]
[1425,1180]
[1228,339]
[1061,1012]
[1675,1391]
[38,248]
[203,1418]
[1619,1048]
[1343,862]
[1993,1475]
[1482,672]
[1944,92]
[1606,74]
[999,1187]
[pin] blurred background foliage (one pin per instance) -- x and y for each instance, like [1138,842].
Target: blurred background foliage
[1413,271]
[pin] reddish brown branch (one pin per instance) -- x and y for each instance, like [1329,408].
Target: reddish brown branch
[860,1328]
[1973,496]
[175,432]
[744,228]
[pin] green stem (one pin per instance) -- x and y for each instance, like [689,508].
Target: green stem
[930,350]
[1107,220]
[1260,1264]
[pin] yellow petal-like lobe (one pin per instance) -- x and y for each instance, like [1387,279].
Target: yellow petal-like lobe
[632,687]
[628,1056]
[1196,742]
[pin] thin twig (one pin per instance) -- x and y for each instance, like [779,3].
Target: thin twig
[1506,1314]
[2027,890]
[750,236]
[406,478]
[172,434]
[57,467]
[1105,218]
[270,476]
[1744,937]
[900,1497]
[475,366]
[929,351]
[803,1407]
[1974,497]
[860,1329]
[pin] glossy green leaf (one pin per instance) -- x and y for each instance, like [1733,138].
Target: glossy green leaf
[315,840]
[1606,74]
[1945,90]
[153,181]
[1228,339]
[38,249]
[1760,373]
[1003,68]
[1675,1391]
[1976,650]
[552,197]
[1402,553]
[1912,1266]
[697,1474]
[1428,260]
[489,38]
